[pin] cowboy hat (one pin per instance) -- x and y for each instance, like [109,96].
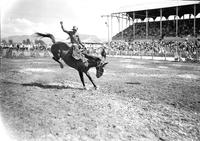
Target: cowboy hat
[75,28]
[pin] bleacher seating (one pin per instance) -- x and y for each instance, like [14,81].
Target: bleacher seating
[185,28]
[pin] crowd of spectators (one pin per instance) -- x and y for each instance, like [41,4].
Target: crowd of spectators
[186,48]
[24,47]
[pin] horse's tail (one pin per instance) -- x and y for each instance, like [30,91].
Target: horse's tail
[46,35]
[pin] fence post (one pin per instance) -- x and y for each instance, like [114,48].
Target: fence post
[0,61]
[1,56]
[165,56]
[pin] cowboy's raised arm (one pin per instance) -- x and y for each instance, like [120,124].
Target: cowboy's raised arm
[61,23]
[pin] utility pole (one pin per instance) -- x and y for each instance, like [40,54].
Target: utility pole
[107,24]
[0,27]
[0,43]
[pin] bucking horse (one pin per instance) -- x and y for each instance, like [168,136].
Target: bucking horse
[64,51]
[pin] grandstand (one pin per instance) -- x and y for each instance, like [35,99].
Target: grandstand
[158,20]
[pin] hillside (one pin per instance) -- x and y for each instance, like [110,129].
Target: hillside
[19,38]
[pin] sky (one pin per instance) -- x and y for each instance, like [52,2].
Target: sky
[25,17]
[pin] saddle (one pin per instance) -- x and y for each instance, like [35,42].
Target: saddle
[81,55]
[77,54]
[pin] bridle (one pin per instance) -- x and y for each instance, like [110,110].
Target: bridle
[98,66]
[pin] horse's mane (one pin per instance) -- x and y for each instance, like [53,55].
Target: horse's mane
[92,59]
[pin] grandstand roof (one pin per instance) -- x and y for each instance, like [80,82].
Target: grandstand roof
[168,6]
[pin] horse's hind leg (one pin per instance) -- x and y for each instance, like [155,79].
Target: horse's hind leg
[57,60]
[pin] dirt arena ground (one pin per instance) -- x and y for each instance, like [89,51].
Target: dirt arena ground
[136,100]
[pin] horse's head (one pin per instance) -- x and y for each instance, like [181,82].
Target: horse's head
[100,69]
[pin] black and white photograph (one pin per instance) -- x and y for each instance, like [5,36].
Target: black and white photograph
[100,70]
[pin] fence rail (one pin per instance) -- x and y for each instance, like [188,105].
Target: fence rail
[178,55]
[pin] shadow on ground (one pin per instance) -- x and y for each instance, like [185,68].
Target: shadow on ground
[133,83]
[50,86]
[43,86]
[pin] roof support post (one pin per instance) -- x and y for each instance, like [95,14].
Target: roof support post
[126,21]
[161,22]
[176,21]
[147,24]
[108,30]
[133,25]
[118,22]
[111,26]
[194,19]
[122,26]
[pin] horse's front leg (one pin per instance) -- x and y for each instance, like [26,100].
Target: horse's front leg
[82,78]
[57,60]
[90,78]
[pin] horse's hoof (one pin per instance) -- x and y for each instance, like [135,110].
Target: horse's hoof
[84,88]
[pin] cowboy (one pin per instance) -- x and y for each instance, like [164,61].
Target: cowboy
[78,48]
[77,45]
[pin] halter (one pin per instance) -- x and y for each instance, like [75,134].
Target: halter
[98,66]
